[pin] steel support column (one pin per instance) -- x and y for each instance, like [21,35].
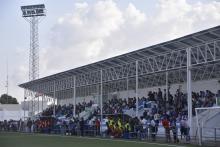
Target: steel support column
[54,95]
[28,100]
[101,90]
[127,79]
[32,104]
[38,104]
[136,91]
[42,103]
[74,96]
[24,102]
[189,89]
[167,86]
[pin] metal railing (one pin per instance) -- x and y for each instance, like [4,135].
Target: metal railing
[137,132]
[209,136]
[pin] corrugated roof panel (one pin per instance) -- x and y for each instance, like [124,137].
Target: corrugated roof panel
[158,50]
[207,36]
[148,52]
[179,43]
[171,46]
[217,32]
[191,41]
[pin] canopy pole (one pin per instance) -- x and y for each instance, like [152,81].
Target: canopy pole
[167,89]
[101,97]
[38,103]
[54,95]
[29,102]
[127,86]
[189,89]
[136,89]
[24,102]
[32,104]
[74,96]
[42,103]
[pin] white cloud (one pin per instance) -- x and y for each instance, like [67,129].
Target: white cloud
[180,17]
[134,16]
[91,32]
[94,48]
[79,37]
[100,30]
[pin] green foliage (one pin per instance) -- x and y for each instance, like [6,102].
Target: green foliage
[7,99]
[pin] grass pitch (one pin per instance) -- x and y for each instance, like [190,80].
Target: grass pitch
[40,140]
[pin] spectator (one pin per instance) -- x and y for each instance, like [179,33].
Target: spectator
[153,129]
[82,125]
[166,125]
[29,125]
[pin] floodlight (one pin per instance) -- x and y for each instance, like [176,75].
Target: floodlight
[33,10]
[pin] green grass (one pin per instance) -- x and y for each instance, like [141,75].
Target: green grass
[38,140]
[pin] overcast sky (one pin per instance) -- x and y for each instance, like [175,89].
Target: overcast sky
[78,32]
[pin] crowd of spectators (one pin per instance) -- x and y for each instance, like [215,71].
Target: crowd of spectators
[116,106]
[173,104]
[66,110]
[11,125]
[167,113]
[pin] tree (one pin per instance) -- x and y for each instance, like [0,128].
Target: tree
[7,99]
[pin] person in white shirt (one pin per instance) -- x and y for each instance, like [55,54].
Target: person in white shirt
[153,129]
[182,128]
[144,131]
[187,129]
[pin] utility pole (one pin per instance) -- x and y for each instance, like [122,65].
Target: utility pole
[7,79]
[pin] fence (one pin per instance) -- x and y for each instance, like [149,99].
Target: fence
[212,137]
[144,133]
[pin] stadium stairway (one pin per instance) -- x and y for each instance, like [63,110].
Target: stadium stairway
[142,107]
[88,112]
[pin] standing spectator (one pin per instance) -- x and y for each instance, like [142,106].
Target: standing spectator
[153,129]
[20,125]
[97,126]
[182,128]
[29,125]
[160,94]
[166,125]
[175,133]
[144,131]
[82,125]
[127,130]
[187,129]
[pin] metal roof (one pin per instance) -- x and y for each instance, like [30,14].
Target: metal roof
[176,44]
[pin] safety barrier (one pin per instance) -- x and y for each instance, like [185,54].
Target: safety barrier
[143,133]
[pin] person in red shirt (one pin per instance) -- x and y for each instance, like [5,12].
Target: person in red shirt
[166,125]
[97,126]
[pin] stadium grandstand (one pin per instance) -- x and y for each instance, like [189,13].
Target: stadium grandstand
[169,91]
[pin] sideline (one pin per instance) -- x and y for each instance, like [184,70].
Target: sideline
[105,139]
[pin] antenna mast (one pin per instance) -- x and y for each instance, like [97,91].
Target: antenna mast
[7,77]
